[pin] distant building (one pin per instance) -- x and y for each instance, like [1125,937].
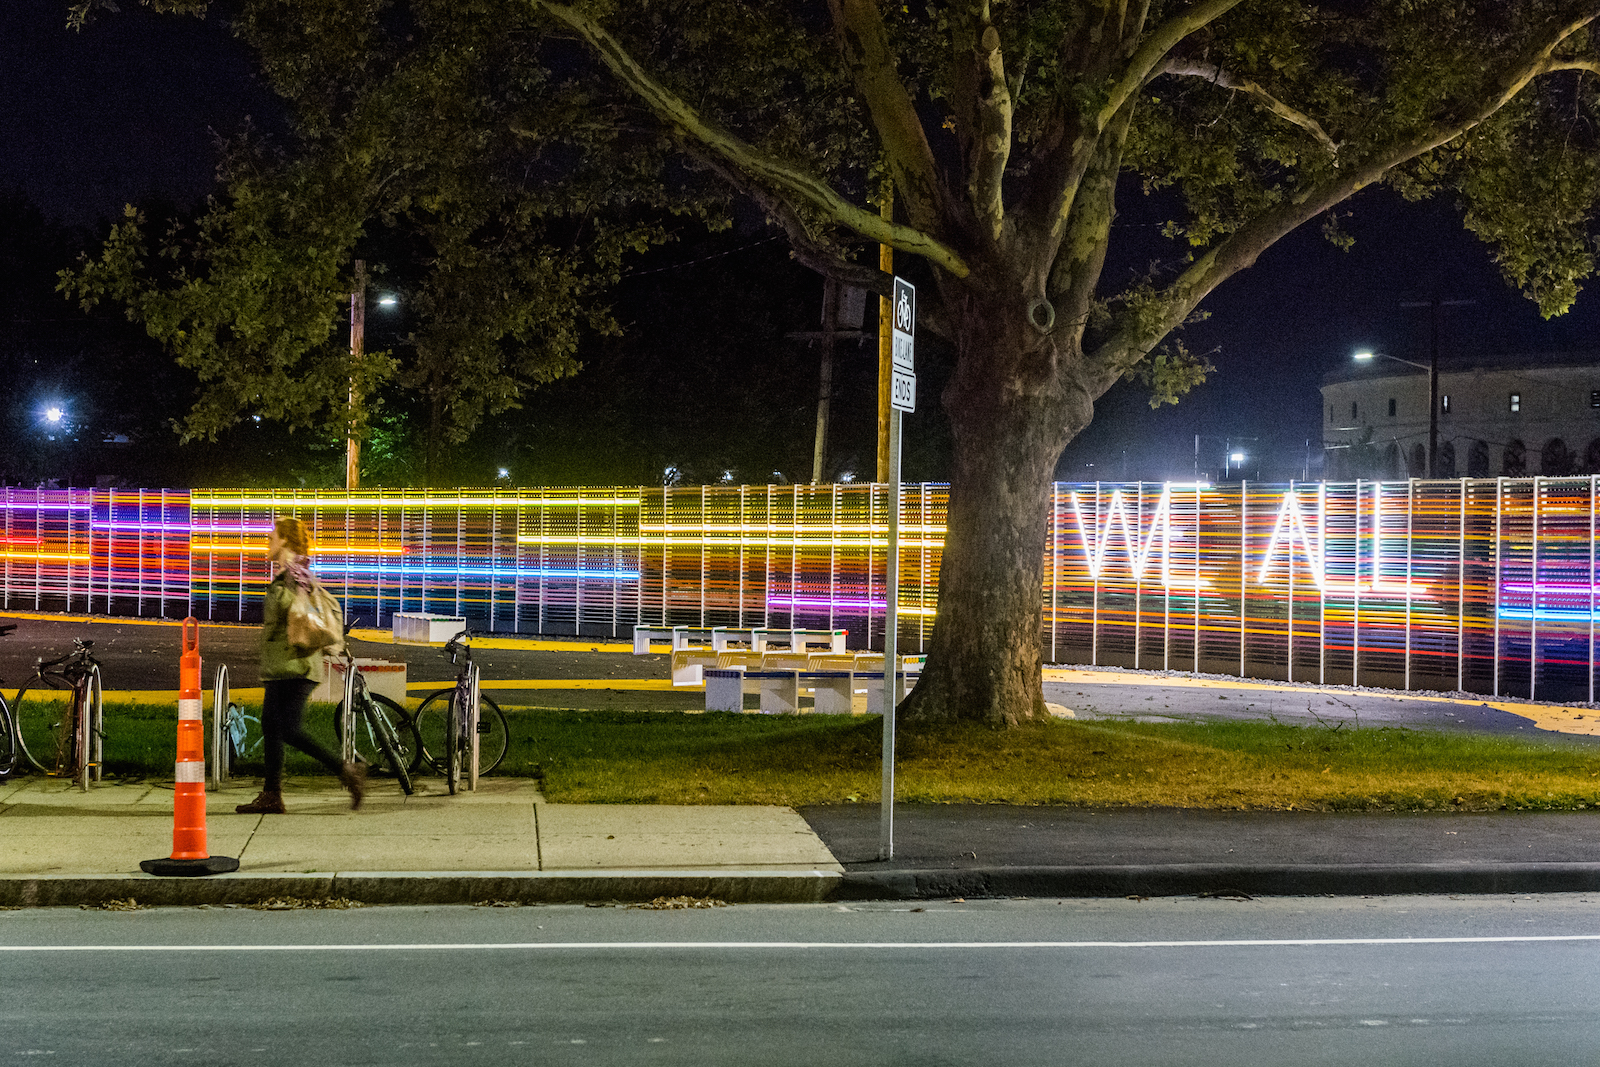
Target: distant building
[1513,415]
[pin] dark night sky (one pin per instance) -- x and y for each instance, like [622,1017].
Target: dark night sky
[129,108]
[90,121]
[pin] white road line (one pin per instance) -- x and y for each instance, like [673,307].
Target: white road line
[709,946]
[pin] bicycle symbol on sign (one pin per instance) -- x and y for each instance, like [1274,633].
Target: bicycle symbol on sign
[902,312]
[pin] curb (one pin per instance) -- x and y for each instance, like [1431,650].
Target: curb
[413,887]
[1193,879]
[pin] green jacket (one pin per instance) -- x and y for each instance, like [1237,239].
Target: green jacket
[278,658]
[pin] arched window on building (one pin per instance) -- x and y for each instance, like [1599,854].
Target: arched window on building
[1591,457]
[1417,462]
[1514,460]
[1447,459]
[1556,459]
[1391,463]
[1478,460]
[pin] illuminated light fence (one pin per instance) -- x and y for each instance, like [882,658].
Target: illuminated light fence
[1487,586]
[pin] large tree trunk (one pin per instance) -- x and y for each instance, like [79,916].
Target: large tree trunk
[1010,418]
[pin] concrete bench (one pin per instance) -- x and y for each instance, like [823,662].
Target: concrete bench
[833,692]
[780,690]
[679,637]
[803,640]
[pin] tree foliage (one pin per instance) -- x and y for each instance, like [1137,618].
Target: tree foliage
[1008,131]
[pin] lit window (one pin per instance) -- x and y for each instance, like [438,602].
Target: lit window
[1594,398]
[1391,407]
[1444,403]
[1516,401]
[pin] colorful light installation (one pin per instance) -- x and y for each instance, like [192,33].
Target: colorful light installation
[1482,585]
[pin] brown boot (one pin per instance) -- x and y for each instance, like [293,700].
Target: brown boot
[354,778]
[267,802]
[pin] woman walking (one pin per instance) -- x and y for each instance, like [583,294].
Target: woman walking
[289,674]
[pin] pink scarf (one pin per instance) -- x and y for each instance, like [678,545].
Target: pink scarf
[299,572]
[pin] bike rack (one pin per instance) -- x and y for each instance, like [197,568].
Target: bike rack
[473,704]
[347,714]
[219,729]
[91,733]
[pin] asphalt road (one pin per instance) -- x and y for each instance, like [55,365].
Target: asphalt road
[1405,980]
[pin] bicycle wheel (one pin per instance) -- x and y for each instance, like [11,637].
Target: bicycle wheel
[368,750]
[8,742]
[430,723]
[382,729]
[45,733]
[454,754]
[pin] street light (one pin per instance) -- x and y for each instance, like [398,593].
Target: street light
[1432,367]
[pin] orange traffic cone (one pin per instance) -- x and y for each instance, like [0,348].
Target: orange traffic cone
[189,855]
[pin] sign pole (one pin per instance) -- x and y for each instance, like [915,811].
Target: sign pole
[902,398]
[891,634]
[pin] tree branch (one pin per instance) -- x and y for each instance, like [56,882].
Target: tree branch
[1214,74]
[1133,338]
[1150,55]
[758,166]
[864,42]
[806,248]
[983,100]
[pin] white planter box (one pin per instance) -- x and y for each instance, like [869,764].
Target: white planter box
[383,677]
[421,628]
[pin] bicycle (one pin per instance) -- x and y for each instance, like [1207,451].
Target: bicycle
[441,723]
[62,741]
[376,726]
[10,749]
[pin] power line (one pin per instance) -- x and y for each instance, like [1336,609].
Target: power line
[705,259]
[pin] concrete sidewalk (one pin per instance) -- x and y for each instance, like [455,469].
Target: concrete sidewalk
[62,846]
[504,843]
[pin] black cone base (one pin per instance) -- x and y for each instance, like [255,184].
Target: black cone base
[170,868]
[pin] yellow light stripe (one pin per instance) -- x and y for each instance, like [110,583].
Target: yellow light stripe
[199,500]
[316,550]
[57,557]
[652,685]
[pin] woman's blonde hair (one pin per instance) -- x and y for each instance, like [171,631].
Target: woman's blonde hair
[293,533]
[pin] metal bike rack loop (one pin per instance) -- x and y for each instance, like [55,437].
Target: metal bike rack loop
[219,729]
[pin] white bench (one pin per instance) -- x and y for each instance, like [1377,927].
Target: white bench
[833,690]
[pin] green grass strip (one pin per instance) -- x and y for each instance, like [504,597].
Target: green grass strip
[687,758]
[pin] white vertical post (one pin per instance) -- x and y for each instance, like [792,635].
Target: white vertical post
[347,714]
[1196,667]
[1533,598]
[1355,592]
[1461,591]
[1411,505]
[1094,596]
[1166,587]
[1322,590]
[891,625]
[1244,554]
[1138,580]
[1499,497]
[1292,501]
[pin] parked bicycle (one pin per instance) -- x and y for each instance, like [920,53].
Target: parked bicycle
[58,716]
[441,723]
[381,733]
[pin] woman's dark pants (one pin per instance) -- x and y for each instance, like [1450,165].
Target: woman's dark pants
[282,710]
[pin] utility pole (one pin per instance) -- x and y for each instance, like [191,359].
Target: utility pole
[358,340]
[885,345]
[1433,374]
[830,320]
